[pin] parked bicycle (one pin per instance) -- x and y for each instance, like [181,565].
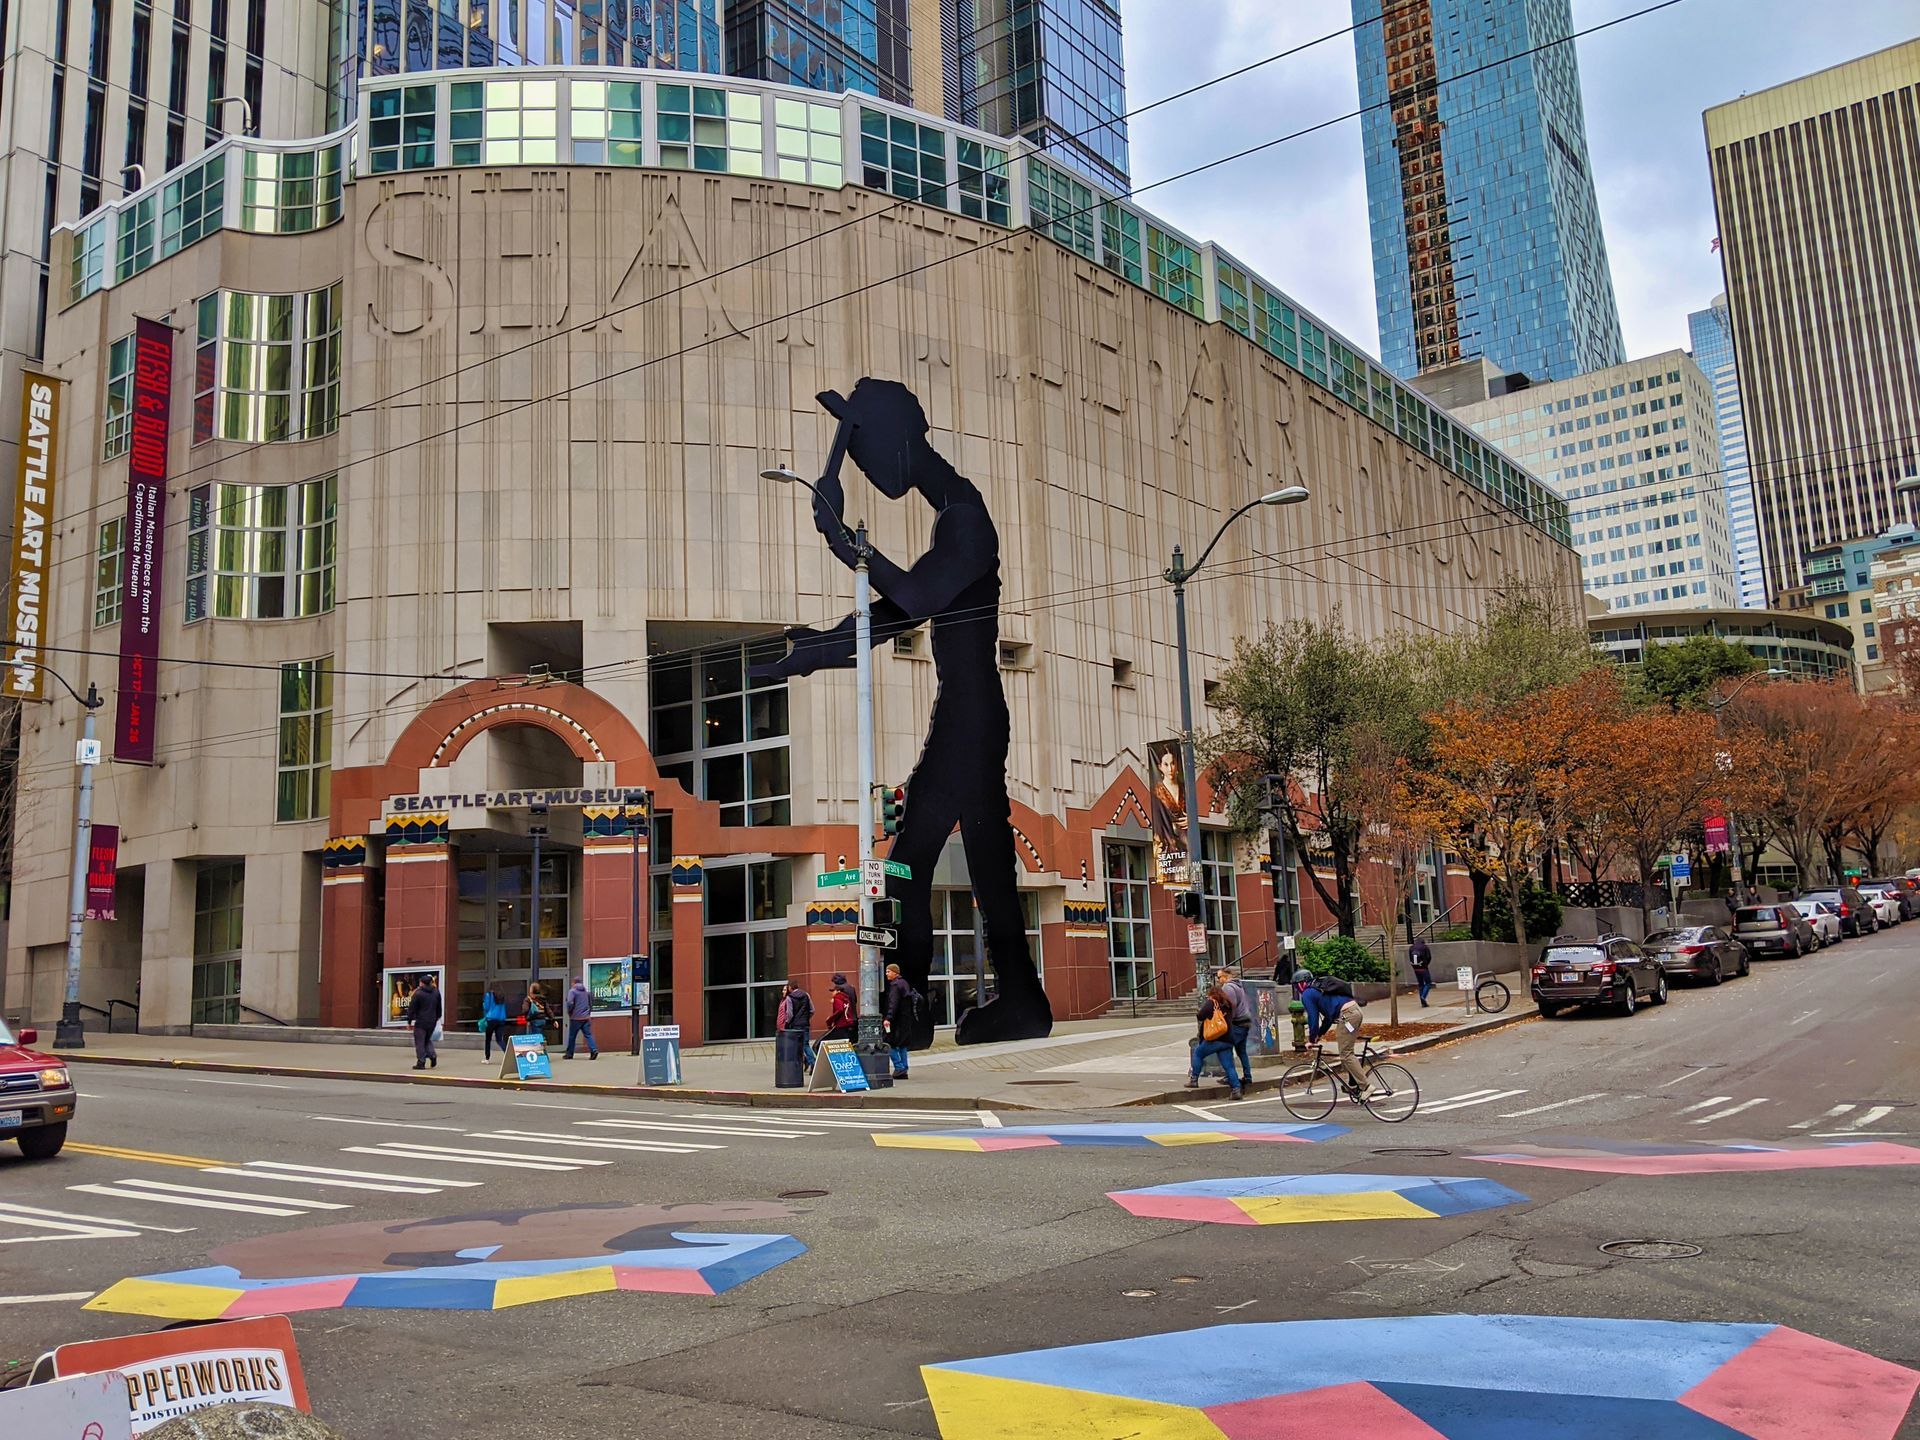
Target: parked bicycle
[1491,995]
[1310,1089]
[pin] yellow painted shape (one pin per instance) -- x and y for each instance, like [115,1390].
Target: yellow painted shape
[529,1289]
[1311,1209]
[926,1142]
[151,1157]
[164,1300]
[985,1407]
[1193,1137]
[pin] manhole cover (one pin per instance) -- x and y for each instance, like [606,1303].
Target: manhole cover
[1650,1249]
[800,1194]
[1043,1082]
[1138,1294]
[1424,1151]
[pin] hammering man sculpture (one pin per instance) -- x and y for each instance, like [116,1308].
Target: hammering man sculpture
[961,776]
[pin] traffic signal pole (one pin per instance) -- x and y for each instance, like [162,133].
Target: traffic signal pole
[868,1042]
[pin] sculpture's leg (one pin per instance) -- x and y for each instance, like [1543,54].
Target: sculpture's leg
[1019,1009]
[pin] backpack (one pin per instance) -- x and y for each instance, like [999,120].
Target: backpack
[919,1005]
[492,1009]
[1334,987]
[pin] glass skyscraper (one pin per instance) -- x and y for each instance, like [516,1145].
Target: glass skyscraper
[1486,233]
[823,44]
[1050,71]
[391,37]
[1711,332]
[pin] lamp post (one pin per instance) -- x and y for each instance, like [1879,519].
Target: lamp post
[1178,573]
[1772,672]
[868,1041]
[537,829]
[635,816]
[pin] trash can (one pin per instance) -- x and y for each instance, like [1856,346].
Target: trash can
[789,1060]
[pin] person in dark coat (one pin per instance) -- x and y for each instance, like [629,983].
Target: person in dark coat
[896,1007]
[1420,957]
[796,1014]
[424,1008]
[842,1018]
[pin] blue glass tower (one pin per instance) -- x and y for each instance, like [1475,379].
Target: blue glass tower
[823,44]
[1711,332]
[1486,232]
[391,37]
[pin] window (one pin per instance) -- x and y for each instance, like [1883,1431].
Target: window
[607,121]
[1120,245]
[953,981]
[1220,897]
[109,571]
[305,788]
[260,552]
[89,260]
[706,129]
[467,122]
[1129,924]
[133,252]
[1173,272]
[722,735]
[190,207]
[903,158]
[1060,207]
[219,913]
[522,125]
[745,935]
[299,190]
[807,145]
[985,192]
[268,366]
[119,421]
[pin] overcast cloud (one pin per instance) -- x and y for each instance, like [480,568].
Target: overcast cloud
[1298,213]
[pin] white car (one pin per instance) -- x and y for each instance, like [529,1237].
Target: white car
[1824,919]
[1884,904]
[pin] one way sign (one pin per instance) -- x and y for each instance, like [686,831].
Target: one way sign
[877,937]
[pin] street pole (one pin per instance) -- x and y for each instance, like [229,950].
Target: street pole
[868,1039]
[1178,572]
[69,1033]
[536,827]
[633,954]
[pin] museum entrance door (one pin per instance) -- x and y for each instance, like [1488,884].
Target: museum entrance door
[495,920]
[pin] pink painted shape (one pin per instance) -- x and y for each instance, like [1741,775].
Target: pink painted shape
[1788,1385]
[1015,1142]
[289,1299]
[660,1281]
[1729,1162]
[1355,1409]
[1209,1209]
[1267,1137]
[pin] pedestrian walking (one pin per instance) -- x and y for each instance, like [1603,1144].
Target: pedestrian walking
[1216,1038]
[493,1023]
[580,1019]
[533,1011]
[1239,1020]
[424,1009]
[899,1011]
[844,1012]
[796,1015]
[1420,957]
[1330,1005]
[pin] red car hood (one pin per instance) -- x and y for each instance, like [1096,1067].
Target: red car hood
[16,1058]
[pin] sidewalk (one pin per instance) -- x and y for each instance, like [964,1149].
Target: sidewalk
[1083,1065]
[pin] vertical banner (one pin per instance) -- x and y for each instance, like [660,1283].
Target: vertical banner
[32,515]
[146,538]
[1168,809]
[103,870]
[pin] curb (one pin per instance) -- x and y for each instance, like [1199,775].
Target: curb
[745,1098]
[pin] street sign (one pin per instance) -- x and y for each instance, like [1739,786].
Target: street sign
[830,878]
[873,878]
[1196,939]
[872,935]
[897,870]
[1682,871]
[660,1055]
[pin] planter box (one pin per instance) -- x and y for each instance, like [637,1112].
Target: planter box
[1487,957]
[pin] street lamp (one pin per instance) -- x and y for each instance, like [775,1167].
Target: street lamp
[1178,573]
[1772,672]
[868,1042]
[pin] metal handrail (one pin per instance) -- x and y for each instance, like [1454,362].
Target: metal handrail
[1425,932]
[246,1009]
[1151,983]
[133,1005]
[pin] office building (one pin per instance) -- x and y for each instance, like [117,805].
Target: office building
[1486,232]
[539,555]
[1816,186]
[410,37]
[1711,334]
[1805,646]
[1634,452]
[863,45]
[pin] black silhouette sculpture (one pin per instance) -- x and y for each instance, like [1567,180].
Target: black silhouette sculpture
[961,776]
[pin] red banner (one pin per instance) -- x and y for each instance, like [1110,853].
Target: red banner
[146,542]
[1716,835]
[103,869]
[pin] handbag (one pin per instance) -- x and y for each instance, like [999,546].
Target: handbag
[1214,1027]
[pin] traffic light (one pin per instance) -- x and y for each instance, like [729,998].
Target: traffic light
[893,808]
[886,912]
[1186,904]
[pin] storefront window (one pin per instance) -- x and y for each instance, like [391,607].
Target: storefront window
[745,935]
[722,734]
[1129,922]
[1220,896]
[219,910]
[953,981]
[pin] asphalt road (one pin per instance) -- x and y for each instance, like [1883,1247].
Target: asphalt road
[922,1257]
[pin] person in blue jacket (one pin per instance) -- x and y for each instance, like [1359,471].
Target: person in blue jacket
[1330,1005]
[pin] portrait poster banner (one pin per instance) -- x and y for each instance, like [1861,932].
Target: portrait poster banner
[150,420]
[39,440]
[397,987]
[103,870]
[1167,809]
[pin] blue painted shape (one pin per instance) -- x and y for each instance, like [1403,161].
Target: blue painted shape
[1442,1194]
[478,1252]
[419,1292]
[1550,1355]
[1451,1196]
[756,1255]
[1506,1415]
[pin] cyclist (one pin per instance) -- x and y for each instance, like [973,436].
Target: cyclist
[1330,1005]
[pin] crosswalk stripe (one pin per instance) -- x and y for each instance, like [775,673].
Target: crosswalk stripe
[448,1156]
[1834,1114]
[164,1187]
[194,1201]
[389,1124]
[1707,1104]
[1557,1105]
[643,1147]
[438,1180]
[68,1227]
[37,1213]
[700,1129]
[1464,1102]
[323,1180]
[1729,1111]
[1871,1117]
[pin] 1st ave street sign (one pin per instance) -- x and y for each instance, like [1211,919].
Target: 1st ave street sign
[880,939]
[830,878]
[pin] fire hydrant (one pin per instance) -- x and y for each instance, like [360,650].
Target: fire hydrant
[1298,1014]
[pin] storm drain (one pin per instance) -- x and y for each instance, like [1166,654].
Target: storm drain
[1650,1249]
[1424,1152]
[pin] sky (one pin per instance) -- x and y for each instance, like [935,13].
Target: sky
[1297,213]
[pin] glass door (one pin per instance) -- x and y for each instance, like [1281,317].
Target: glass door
[495,928]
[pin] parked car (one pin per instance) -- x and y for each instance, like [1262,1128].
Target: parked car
[1902,888]
[1884,901]
[1772,931]
[1698,952]
[36,1095]
[1825,920]
[1856,916]
[1609,971]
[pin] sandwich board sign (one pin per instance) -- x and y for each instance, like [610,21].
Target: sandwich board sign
[176,1372]
[837,1067]
[87,1407]
[526,1059]
[660,1055]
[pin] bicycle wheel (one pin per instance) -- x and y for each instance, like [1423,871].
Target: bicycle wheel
[1308,1091]
[1392,1092]
[1492,996]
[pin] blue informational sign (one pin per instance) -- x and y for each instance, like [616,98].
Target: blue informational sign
[847,1074]
[1682,868]
[530,1058]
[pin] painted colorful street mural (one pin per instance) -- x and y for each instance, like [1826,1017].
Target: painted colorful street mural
[1440,1377]
[1626,1157]
[1311,1199]
[486,1261]
[1041,1137]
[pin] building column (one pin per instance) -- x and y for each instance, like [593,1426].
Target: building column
[350,934]
[607,897]
[422,900]
[166,945]
[689,951]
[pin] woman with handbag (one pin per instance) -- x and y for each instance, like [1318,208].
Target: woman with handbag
[1216,1038]
[534,1012]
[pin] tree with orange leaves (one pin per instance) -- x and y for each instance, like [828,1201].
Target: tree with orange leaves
[1802,740]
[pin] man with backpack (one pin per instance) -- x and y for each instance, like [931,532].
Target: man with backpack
[1239,1021]
[902,1008]
[1330,1005]
[796,1014]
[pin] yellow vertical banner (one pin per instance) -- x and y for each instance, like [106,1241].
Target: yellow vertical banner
[27,598]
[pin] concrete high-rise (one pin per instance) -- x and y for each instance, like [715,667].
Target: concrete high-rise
[1816,185]
[1486,232]
[1711,332]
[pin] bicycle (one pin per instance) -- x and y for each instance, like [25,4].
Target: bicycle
[1391,1093]
[1490,995]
